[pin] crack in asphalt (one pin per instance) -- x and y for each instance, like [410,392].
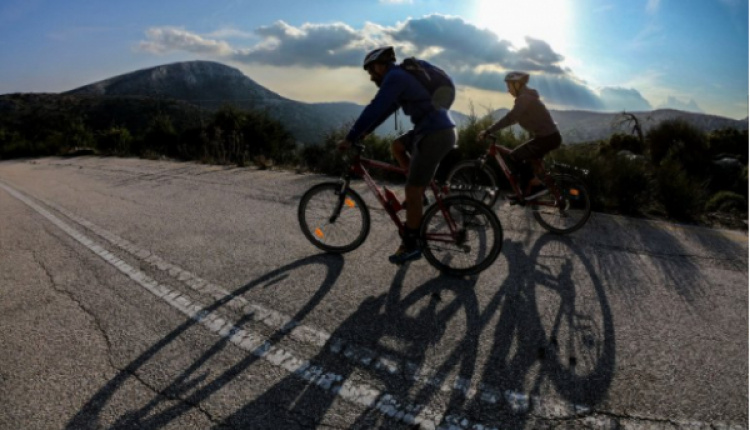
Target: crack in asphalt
[109,346]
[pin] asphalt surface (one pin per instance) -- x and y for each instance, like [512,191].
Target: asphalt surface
[156,294]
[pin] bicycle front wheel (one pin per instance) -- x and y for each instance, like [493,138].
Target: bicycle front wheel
[473,179]
[573,210]
[333,221]
[461,236]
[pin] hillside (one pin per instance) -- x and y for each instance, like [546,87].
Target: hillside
[585,126]
[209,85]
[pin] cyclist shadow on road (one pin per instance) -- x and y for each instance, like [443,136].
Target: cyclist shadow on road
[440,348]
[554,340]
[515,356]
[192,386]
[392,339]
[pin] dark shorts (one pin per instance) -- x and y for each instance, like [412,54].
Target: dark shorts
[426,151]
[537,147]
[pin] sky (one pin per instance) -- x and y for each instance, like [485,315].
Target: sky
[599,55]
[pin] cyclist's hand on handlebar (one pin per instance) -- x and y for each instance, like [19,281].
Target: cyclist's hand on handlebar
[344,145]
[481,135]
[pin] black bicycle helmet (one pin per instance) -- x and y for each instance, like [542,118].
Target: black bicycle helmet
[381,55]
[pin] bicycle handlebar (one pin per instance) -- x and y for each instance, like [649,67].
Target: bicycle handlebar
[491,137]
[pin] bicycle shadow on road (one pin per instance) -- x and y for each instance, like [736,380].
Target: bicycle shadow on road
[191,387]
[437,343]
[431,338]
[388,338]
[554,341]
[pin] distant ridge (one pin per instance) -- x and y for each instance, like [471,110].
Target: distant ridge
[209,85]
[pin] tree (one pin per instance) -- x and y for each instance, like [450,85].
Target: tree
[631,121]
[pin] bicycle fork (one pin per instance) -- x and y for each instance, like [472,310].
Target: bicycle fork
[341,193]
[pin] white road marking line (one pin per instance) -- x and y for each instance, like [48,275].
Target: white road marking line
[518,402]
[335,384]
[258,345]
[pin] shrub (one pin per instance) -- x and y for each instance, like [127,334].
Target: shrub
[625,142]
[160,137]
[681,195]
[729,141]
[627,184]
[114,141]
[236,136]
[325,158]
[686,143]
[728,202]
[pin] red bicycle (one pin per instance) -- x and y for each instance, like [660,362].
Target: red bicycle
[564,209]
[459,235]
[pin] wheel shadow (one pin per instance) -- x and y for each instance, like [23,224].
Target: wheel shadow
[184,386]
[439,348]
[566,354]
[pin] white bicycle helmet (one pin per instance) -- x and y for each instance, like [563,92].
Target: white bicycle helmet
[521,77]
[381,55]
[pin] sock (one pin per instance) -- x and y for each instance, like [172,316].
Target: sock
[410,237]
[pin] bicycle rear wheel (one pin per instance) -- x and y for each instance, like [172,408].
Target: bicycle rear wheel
[473,179]
[332,221]
[574,211]
[469,249]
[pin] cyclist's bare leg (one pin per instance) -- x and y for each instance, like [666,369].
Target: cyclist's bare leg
[414,206]
[398,150]
[536,165]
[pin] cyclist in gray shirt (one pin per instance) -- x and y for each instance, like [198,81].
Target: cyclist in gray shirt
[532,115]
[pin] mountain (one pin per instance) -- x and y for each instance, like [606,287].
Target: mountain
[209,85]
[586,126]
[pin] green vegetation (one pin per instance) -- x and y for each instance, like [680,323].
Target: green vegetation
[674,170]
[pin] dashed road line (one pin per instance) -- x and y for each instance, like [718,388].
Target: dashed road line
[258,345]
[515,401]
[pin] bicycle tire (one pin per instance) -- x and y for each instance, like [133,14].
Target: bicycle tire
[476,223]
[478,181]
[576,210]
[343,234]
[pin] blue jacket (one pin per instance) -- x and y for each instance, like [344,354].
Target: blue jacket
[400,89]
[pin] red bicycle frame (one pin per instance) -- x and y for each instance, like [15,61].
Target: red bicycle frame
[359,167]
[497,151]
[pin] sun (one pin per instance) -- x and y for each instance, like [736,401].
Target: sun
[513,20]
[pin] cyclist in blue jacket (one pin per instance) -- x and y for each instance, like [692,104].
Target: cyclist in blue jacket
[432,137]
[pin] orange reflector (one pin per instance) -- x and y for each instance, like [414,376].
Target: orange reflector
[319,233]
[573,192]
[349,202]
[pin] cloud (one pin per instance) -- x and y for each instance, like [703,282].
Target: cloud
[326,45]
[623,99]
[167,39]
[230,33]
[453,42]
[474,57]
[462,44]
[674,103]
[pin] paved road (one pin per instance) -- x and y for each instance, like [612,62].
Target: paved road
[152,294]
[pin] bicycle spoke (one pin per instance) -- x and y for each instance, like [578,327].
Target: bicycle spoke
[328,227]
[473,247]
[571,213]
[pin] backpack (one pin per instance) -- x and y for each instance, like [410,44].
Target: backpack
[434,79]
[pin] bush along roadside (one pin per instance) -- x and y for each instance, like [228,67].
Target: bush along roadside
[673,171]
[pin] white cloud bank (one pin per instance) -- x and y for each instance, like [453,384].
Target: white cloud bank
[475,57]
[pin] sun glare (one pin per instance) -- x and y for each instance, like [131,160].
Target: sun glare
[513,20]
